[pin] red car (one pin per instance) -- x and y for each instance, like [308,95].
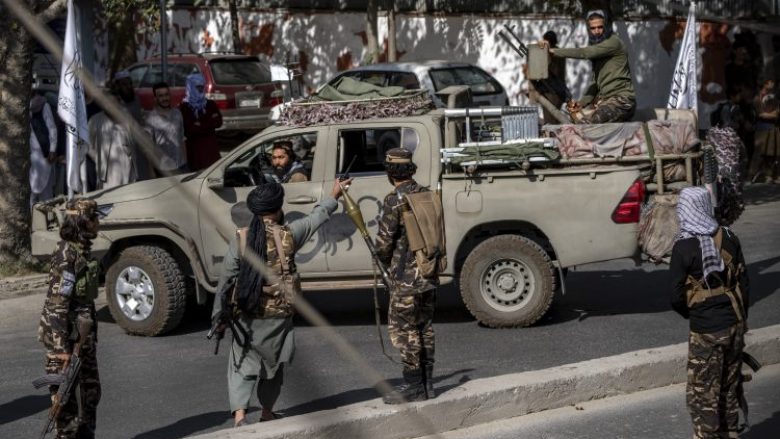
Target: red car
[240,85]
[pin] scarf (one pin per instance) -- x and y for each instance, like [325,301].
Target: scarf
[286,177]
[592,39]
[263,199]
[694,211]
[194,97]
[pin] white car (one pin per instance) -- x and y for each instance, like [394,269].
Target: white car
[432,76]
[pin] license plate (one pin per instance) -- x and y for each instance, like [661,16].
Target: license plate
[250,102]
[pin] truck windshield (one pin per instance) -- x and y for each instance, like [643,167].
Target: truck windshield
[479,81]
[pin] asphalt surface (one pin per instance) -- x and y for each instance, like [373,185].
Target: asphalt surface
[657,413]
[173,386]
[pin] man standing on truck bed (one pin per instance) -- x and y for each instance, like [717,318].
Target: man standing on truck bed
[611,93]
[412,298]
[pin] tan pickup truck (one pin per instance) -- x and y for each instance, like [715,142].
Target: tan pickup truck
[511,230]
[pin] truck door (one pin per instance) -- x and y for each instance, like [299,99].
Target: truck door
[244,169]
[364,146]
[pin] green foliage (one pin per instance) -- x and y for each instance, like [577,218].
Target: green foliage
[120,10]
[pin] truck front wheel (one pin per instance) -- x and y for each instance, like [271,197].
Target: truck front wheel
[507,281]
[145,291]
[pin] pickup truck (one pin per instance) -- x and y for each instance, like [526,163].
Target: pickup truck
[511,231]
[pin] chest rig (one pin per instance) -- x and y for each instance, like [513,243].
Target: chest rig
[697,291]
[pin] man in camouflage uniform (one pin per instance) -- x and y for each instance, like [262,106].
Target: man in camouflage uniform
[412,298]
[265,306]
[710,287]
[73,287]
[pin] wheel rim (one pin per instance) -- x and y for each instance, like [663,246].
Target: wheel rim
[507,284]
[134,293]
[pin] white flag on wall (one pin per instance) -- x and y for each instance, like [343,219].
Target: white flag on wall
[685,85]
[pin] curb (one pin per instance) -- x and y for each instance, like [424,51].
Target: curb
[490,399]
[23,285]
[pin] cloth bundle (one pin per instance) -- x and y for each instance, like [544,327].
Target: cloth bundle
[659,226]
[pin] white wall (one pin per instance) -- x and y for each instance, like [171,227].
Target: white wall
[329,41]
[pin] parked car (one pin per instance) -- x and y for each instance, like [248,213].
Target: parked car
[240,85]
[432,76]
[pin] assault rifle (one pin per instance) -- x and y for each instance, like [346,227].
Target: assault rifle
[65,380]
[226,319]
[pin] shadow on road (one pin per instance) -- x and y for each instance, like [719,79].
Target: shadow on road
[603,293]
[761,193]
[764,430]
[359,395]
[187,426]
[23,407]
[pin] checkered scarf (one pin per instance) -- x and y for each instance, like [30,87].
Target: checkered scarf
[694,211]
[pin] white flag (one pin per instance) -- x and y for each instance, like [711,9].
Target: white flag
[685,86]
[71,107]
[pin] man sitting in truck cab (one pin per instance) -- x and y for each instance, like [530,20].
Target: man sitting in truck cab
[286,169]
[610,97]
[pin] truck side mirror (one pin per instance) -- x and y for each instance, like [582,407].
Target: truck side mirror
[216,180]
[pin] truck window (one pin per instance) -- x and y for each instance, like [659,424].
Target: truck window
[365,149]
[253,167]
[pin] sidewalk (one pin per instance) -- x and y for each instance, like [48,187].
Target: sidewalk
[502,397]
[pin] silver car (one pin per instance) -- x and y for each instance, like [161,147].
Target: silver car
[432,76]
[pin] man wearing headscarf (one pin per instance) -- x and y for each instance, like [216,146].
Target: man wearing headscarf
[70,308]
[710,288]
[264,300]
[286,167]
[201,118]
[611,94]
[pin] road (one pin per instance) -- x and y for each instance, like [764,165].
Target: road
[643,415]
[173,386]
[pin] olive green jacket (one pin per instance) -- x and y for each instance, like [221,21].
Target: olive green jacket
[611,73]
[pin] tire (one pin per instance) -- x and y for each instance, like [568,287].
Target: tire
[145,291]
[490,287]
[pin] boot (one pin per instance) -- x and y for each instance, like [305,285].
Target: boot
[428,380]
[412,389]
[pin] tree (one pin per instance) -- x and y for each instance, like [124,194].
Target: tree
[372,28]
[16,57]
[122,19]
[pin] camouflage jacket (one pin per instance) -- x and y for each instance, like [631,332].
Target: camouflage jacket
[393,245]
[62,307]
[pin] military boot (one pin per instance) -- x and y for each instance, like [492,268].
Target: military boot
[412,389]
[428,380]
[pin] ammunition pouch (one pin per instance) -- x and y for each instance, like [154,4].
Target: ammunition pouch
[423,218]
[87,282]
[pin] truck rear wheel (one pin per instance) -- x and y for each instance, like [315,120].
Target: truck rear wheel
[507,281]
[145,291]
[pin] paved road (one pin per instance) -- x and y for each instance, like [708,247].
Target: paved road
[171,387]
[658,413]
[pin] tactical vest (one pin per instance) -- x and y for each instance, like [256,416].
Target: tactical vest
[423,218]
[87,276]
[278,299]
[697,291]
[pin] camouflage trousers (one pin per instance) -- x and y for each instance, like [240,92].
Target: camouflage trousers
[70,423]
[410,325]
[714,362]
[613,109]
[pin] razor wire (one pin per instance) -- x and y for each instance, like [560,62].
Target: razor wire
[50,42]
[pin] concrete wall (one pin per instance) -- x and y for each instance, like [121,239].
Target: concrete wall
[328,43]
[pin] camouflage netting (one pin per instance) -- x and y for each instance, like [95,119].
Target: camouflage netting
[731,156]
[301,114]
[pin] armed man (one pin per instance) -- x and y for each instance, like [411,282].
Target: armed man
[610,97]
[68,326]
[410,240]
[286,169]
[709,286]
[261,308]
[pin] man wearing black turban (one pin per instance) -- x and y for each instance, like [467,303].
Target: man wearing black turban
[265,303]
[611,94]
